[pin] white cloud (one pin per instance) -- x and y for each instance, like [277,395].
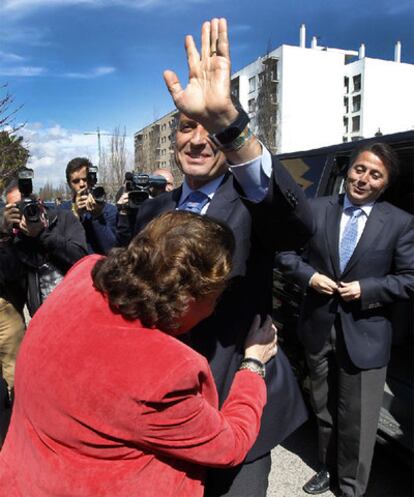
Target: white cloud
[94,73]
[22,71]
[52,147]
[10,57]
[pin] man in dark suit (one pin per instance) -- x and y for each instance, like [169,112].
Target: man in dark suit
[358,262]
[231,177]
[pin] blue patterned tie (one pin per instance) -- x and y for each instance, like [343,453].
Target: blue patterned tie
[194,202]
[349,237]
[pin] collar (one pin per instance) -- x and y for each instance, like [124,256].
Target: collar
[366,208]
[209,188]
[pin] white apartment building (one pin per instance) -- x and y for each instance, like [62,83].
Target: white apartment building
[323,96]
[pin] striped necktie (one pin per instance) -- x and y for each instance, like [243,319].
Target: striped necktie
[194,202]
[349,237]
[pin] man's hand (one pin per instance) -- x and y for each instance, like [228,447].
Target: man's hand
[122,203]
[94,207]
[32,230]
[11,216]
[207,97]
[323,284]
[349,291]
[81,200]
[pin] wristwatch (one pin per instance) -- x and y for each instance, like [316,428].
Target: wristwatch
[253,365]
[235,135]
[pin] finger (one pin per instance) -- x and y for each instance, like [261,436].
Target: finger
[214,33]
[193,57]
[255,324]
[173,84]
[223,40]
[268,325]
[205,41]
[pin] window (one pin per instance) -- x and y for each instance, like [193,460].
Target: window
[261,79]
[357,82]
[356,103]
[346,105]
[345,125]
[251,105]
[235,87]
[252,84]
[356,123]
[346,84]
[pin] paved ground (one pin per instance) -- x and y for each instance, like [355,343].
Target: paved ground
[294,462]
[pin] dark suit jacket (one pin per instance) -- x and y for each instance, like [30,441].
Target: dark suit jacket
[280,222]
[383,263]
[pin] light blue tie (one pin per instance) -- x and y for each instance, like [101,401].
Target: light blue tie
[349,237]
[194,202]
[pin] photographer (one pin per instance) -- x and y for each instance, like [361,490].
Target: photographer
[97,216]
[137,188]
[40,248]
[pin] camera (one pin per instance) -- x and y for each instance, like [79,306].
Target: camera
[97,192]
[29,207]
[140,185]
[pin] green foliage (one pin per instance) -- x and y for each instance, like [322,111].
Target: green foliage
[13,156]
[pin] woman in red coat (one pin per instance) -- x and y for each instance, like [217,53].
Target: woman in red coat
[108,402]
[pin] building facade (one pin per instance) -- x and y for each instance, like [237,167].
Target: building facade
[154,146]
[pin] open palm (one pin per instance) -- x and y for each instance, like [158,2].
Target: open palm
[206,99]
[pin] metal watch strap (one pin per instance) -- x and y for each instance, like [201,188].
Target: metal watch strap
[253,365]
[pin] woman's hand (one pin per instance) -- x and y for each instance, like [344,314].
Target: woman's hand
[261,341]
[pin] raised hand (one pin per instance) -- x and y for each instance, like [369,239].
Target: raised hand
[207,97]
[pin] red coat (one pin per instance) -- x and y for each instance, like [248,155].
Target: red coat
[107,408]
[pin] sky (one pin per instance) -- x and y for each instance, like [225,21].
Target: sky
[79,65]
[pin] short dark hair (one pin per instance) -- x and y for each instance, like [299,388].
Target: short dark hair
[176,257]
[76,164]
[382,151]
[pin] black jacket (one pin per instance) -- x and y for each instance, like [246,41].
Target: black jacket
[383,263]
[61,244]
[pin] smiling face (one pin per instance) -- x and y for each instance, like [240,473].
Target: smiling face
[367,179]
[198,158]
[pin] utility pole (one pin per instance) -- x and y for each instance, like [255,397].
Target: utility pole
[98,134]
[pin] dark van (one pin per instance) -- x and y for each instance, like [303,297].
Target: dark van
[321,172]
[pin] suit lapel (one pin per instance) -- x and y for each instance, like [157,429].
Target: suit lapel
[224,196]
[373,227]
[333,219]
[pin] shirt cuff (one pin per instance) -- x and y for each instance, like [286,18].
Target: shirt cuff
[254,176]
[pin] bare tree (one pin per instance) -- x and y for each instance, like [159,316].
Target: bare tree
[114,163]
[267,108]
[50,192]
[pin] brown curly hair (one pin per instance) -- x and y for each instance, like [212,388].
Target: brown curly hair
[177,257]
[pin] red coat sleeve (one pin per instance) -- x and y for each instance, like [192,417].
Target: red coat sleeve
[185,422]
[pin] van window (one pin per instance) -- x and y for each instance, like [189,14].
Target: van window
[306,171]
